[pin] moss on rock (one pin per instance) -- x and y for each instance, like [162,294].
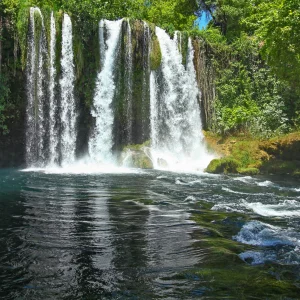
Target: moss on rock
[22,29]
[279,155]
[223,165]
[137,156]
[248,171]
[155,55]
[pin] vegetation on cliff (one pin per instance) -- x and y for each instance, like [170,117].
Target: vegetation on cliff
[252,156]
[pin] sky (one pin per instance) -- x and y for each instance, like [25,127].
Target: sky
[203,21]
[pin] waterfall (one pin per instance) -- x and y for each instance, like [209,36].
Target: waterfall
[67,106]
[128,76]
[53,104]
[146,79]
[101,141]
[131,103]
[177,140]
[36,77]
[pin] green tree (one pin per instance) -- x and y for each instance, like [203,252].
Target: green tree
[278,31]
[172,14]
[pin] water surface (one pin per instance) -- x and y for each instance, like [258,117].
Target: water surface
[133,235]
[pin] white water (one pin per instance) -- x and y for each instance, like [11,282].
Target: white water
[53,129]
[68,113]
[35,122]
[41,130]
[146,77]
[261,234]
[84,167]
[30,111]
[286,208]
[176,136]
[128,74]
[101,141]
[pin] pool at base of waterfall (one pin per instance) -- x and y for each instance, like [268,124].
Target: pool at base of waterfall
[148,234]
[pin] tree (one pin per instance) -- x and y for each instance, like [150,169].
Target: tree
[278,32]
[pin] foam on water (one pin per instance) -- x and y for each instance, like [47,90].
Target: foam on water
[82,167]
[261,234]
[245,179]
[257,257]
[265,183]
[279,244]
[286,208]
[179,181]
[231,207]
[191,199]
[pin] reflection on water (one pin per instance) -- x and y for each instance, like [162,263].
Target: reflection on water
[119,236]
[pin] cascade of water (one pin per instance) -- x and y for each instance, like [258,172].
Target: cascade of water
[175,112]
[128,76]
[36,113]
[102,43]
[67,107]
[101,141]
[146,78]
[53,129]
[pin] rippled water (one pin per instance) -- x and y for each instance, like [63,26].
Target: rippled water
[133,235]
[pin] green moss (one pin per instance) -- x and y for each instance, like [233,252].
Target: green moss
[155,55]
[136,156]
[46,13]
[58,26]
[245,282]
[38,23]
[223,165]
[183,47]
[281,167]
[275,156]
[248,171]
[138,147]
[86,58]
[22,28]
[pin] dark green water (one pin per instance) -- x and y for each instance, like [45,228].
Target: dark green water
[148,235]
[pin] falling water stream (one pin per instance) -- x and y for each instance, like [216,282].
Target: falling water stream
[100,145]
[53,101]
[128,74]
[67,107]
[177,140]
[36,122]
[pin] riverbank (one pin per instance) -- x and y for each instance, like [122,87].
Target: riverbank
[249,156]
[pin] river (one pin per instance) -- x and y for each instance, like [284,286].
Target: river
[137,234]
